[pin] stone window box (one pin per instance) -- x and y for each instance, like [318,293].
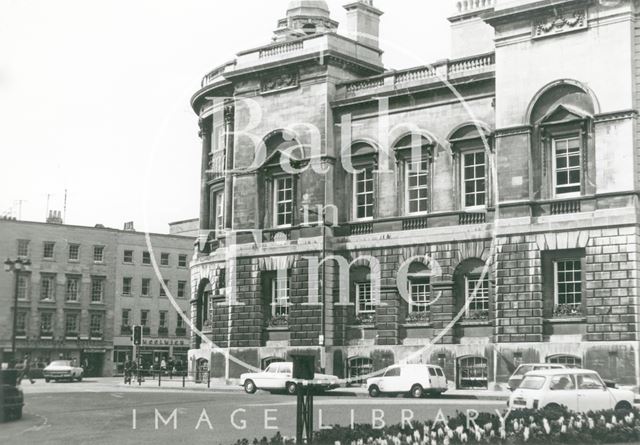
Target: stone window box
[278,334]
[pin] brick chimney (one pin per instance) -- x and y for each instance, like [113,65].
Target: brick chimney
[128,227]
[55,217]
[363,22]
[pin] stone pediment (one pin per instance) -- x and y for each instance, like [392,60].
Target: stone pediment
[564,114]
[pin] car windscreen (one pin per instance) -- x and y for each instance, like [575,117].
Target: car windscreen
[60,363]
[532,382]
[522,370]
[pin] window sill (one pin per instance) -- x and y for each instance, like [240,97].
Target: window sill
[72,301]
[416,325]
[366,327]
[48,301]
[277,328]
[565,320]
[474,323]
[73,261]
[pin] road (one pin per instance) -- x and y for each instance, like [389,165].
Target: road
[92,412]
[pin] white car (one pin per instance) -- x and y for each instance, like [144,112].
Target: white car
[580,390]
[279,377]
[415,380]
[518,374]
[62,370]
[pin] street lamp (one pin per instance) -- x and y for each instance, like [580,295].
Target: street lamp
[15,266]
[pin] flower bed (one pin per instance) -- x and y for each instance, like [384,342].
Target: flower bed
[525,426]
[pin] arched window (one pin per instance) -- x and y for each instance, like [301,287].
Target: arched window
[278,190]
[363,158]
[570,361]
[473,373]
[413,154]
[469,145]
[359,366]
[420,290]
[362,294]
[473,289]
[562,117]
[268,360]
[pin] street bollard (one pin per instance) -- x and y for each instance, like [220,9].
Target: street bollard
[209,379]
[159,378]
[184,376]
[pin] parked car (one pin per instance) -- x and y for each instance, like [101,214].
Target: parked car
[279,377]
[62,370]
[416,380]
[518,374]
[11,396]
[580,390]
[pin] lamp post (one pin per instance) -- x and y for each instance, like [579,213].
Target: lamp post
[15,266]
[321,221]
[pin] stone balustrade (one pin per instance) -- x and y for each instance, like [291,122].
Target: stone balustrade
[464,6]
[439,71]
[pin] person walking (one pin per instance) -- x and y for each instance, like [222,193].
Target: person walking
[26,370]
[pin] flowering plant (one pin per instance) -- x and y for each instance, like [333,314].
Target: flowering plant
[367,318]
[417,317]
[555,427]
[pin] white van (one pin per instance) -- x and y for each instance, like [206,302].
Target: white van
[416,380]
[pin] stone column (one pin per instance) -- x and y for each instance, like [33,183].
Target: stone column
[205,201]
[228,178]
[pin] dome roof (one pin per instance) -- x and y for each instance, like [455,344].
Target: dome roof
[308,7]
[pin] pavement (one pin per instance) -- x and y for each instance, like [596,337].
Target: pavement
[106,411]
[221,385]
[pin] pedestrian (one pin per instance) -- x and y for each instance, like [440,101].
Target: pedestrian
[128,368]
[163,366]
[26,370]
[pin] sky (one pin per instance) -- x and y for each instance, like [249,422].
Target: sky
[94,97]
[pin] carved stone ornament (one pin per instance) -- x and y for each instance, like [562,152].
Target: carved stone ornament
[279,81]
[567,21]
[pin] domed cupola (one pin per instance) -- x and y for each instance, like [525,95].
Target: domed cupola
[305,18]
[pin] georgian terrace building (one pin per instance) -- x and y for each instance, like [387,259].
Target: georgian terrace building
[504,195]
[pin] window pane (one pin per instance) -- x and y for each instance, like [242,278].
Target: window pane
[417,183]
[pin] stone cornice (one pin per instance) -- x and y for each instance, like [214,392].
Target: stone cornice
[512,131]
[615,116]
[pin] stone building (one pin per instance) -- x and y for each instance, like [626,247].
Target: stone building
[487,204]
[86,287]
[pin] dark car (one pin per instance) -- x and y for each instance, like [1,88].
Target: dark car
[11,397]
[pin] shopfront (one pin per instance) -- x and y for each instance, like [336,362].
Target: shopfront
[152,351]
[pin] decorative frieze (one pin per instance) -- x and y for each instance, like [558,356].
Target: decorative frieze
[280,81]
[563,22]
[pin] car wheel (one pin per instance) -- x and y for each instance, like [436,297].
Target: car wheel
[623,406]
[250,387]
[80,378]
[17,413]
[47,380]
[292,388]
[554,409]
[374,391]
[416,391]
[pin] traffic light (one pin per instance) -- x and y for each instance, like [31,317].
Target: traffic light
[137,335]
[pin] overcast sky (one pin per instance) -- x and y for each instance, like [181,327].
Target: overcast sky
[94,96]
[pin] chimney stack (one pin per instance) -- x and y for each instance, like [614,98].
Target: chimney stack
[128,227]
[55,217]
[363,22]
